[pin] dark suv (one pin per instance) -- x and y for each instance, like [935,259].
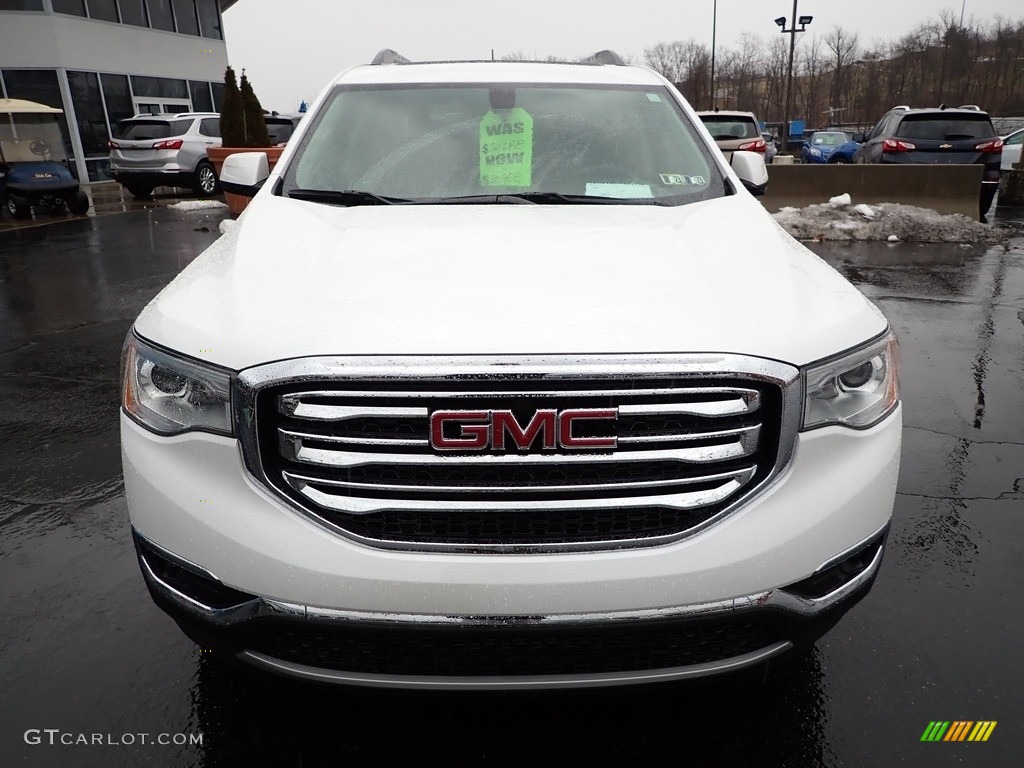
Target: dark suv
[963,135]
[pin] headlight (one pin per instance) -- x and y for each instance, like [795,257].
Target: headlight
[857,390]
[170,395]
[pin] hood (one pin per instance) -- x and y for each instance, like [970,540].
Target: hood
[296,279]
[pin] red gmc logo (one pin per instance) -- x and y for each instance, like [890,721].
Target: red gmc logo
[498,430]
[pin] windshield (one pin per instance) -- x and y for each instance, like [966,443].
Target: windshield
[829,139]
[31,139]
[431,143]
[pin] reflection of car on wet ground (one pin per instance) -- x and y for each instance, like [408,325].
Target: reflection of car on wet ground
[34,172]
[584,465]
[942,135]
[828,147]
[734,131]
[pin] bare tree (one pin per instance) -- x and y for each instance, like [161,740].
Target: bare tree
[845,49]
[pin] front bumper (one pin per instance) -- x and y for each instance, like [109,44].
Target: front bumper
[307,602]
[508,652]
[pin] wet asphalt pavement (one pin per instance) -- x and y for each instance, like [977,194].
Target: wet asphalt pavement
[84,650]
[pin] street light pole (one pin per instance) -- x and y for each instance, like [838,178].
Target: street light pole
[792,32]
[714,30]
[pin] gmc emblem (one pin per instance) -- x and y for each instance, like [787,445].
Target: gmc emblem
[498,430]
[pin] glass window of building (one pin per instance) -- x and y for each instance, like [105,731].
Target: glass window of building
[160,16]
[185,17]
[218,95]
[39,85]
[201,101]
[209,18]
[117,97]
[21,5]
[103,10]
[134,12]
[159,87]
[92,123]
[70,7]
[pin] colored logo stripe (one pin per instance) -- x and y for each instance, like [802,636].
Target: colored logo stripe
[958,730]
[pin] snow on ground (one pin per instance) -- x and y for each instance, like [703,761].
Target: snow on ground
[197,205]
[225,225]
[838,219]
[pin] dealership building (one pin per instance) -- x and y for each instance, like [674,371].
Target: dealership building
[104,60]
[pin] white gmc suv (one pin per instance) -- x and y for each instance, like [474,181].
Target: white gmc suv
[505,380]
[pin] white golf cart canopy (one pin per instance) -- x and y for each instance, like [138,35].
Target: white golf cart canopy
[22,107]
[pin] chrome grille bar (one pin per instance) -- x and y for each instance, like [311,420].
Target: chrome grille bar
[739,475]
[463,394]
[300,410]
[744,433]
[363,506]
[744,444]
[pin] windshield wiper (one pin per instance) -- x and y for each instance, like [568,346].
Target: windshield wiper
[344,197]
[542,198]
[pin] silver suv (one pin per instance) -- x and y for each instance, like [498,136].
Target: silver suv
[150,151]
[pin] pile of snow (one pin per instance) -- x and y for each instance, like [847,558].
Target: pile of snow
[838,219]
[225,225]
[197,205]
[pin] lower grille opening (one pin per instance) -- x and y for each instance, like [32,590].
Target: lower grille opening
[512,527]
[187,581]
[517,651]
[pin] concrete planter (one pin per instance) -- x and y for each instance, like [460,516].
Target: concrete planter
[217,155]
[1011,187]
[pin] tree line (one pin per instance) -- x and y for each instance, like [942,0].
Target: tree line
[840,81]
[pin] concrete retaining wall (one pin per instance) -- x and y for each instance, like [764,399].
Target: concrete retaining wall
[944,188]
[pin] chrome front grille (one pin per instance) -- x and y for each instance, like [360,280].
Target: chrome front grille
[355,452]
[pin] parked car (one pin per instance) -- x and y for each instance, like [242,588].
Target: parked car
[34,171]
[771,147]
[962,135]
[828,147]
[1011,149]
[281,126]
[734,131]
[149,151]
[504,381]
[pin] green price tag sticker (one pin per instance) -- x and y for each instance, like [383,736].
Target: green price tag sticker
[506,148]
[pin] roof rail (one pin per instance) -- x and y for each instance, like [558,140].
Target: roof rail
[387,56]
[974,107]
[901,106]
[604,57]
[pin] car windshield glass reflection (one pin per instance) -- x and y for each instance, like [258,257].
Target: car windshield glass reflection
[545,144]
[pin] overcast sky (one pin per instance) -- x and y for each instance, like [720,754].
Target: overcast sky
[291,49]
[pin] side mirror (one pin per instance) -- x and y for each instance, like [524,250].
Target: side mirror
[244,173]
[750,167]
[859,138]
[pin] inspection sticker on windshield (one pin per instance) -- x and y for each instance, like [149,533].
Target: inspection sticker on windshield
[623,191]
[506,148]
[679,180]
